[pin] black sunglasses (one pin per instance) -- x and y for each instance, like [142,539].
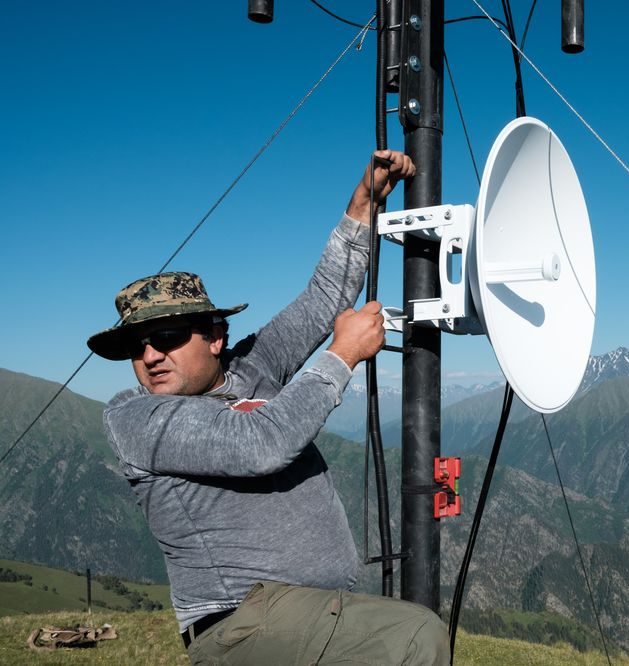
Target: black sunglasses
[163,340]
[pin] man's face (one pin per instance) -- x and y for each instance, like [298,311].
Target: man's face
[190,368]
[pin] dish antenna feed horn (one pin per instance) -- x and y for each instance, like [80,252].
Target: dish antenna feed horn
[518,268]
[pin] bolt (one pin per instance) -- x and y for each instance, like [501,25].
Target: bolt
[448,215]
[409,219]
[414,106]
[414,63]
[445,308]
[415,22]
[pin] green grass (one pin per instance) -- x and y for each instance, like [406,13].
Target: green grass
[541,628]
[153,638]
[70,594]
[475,650]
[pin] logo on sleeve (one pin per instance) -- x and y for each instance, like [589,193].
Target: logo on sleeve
[246,405]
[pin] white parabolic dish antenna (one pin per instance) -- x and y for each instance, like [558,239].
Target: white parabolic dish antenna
[531,265]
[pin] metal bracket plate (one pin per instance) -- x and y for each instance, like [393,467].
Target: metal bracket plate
[450,226]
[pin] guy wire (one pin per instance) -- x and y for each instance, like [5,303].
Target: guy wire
[249,164]
[555,90]
[268,142]
[463,123]
[576,540]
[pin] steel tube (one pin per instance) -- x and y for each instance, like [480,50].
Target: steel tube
[421,366]
[260,11]
[572,26]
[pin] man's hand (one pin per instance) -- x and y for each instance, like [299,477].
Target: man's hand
[385,178]
[358,335]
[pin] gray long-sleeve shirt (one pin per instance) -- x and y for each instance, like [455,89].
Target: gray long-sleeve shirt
[234,496]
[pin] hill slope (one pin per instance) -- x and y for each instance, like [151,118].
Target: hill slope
[62,499]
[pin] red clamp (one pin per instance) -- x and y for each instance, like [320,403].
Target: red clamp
[447,502]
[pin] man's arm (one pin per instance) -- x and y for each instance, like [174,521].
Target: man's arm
[196,435]
[290,338]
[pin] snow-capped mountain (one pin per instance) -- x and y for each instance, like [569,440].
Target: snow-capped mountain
[604,367]
[453,393]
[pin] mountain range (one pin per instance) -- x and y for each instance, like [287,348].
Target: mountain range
[348,420]
[63,502]
[469,414]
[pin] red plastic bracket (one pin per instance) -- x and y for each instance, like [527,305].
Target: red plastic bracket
[444,508]
[447,502]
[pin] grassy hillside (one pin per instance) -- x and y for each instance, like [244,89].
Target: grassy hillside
[152,638]
[46,589]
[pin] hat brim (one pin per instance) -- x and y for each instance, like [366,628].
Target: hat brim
[112,345]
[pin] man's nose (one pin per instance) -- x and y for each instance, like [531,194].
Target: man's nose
[152,355]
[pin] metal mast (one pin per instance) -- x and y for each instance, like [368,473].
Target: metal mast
[421,115]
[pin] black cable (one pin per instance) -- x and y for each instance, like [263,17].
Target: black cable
[526,28]
[336,16]
[463,123]
[373,433]
[477,17]
[576,540]
[373,411]
[251,162]
[520,107]
[478,515]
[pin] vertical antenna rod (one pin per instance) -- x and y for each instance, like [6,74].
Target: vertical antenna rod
[421,115]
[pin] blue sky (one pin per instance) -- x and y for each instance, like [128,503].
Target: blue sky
[122,123]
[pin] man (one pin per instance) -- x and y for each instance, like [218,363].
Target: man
[217,445]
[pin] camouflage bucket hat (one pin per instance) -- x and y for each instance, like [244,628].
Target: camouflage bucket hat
[155,297]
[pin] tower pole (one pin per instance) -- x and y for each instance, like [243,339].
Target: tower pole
[421,115]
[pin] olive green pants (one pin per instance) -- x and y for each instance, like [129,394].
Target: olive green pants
[280,624]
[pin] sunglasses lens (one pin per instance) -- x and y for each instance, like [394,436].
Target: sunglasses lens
[162,341]
[169,339]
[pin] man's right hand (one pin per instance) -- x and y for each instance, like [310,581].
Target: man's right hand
[358,335]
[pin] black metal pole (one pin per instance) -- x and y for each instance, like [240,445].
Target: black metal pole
[572,26]
[421,114]
[260,11]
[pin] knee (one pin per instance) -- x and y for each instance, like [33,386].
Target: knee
[430,646]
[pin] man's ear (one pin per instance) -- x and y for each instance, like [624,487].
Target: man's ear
[217,338]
